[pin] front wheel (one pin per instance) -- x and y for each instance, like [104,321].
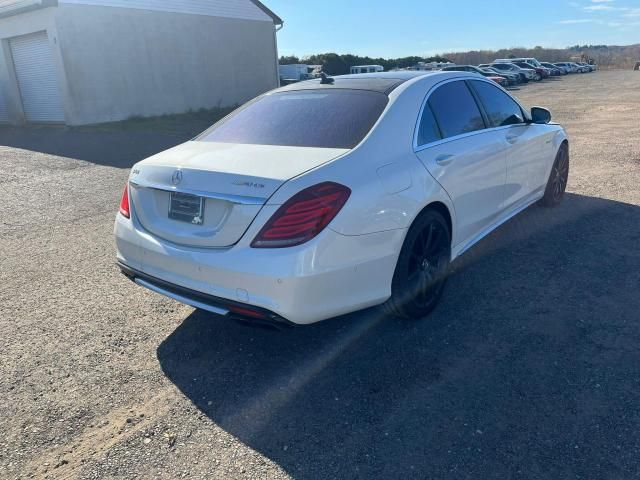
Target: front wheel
[421,271]
[557,183]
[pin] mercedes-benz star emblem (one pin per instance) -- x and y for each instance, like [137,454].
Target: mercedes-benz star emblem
[176,178]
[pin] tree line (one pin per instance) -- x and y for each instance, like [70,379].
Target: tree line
[606,56]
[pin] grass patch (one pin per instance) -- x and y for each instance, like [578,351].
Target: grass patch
[189,123]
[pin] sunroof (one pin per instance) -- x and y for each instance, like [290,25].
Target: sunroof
[375,84]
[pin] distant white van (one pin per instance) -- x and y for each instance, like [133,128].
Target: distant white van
[367,69]
[530,61]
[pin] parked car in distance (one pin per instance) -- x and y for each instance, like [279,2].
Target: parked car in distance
[589,67]
[276,216]
[525,75]
[529,60]
[580,68]
[503,81]
[555,71]
[514,78]
[540,72]
[566,70]
[572,68]
[500,80]
[529,71]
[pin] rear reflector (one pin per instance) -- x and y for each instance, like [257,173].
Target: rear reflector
[246,312]
[303,216]
[124,202]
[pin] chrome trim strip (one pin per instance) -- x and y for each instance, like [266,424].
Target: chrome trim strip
[180,298]
[237,199]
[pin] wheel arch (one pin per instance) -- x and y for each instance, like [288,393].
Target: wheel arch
[392,306]
[443,210]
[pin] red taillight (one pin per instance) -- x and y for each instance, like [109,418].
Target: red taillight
[303,216]
[124,202]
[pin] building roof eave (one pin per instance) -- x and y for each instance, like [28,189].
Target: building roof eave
[276,19]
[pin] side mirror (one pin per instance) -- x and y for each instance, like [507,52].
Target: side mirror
[540,115]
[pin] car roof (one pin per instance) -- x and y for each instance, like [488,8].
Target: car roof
[382,82]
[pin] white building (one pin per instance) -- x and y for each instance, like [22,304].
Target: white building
[91,61]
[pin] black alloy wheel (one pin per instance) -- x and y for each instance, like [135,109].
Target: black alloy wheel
[557,183]
[421,272]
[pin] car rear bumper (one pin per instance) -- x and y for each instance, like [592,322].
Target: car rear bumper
[331,275]
[219,306]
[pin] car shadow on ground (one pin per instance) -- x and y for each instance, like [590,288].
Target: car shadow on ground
[528,368]
[120,149]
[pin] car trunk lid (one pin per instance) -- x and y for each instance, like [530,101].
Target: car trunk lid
[205,194]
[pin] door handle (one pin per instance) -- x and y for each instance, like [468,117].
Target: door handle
[444,159]
[512,138]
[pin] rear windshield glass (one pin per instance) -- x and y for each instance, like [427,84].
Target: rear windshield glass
[318,118]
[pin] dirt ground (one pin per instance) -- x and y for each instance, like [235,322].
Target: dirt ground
[530,367]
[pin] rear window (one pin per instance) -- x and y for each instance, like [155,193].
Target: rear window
[455,109]
[313,118]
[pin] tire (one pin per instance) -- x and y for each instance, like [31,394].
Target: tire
[538,77]
[422,268]
[557,183]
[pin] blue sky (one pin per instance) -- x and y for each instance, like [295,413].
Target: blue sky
[424,27]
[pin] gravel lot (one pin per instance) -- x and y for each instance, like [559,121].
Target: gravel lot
[530,368]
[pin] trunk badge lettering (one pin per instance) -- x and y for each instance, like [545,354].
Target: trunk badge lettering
[248,184]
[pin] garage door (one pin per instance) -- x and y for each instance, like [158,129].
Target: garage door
[4,115]
[37,78]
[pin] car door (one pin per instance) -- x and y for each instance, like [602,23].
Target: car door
[527,144]
[466,159]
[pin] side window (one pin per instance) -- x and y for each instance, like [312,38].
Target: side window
[428,130]
[455,109]
[500,108]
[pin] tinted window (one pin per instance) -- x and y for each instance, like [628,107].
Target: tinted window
[500,108]
[455,109]
[316,118]
[428,131]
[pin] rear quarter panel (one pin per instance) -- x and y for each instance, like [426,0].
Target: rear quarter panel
[390,186]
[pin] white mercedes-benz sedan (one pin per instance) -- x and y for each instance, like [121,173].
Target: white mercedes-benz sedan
[332,195]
